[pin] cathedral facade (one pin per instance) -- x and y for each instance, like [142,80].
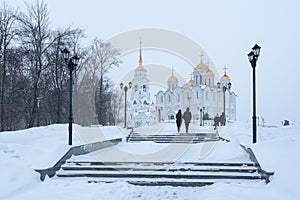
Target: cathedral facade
[205,98]
[141,110]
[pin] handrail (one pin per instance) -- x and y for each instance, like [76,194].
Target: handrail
[264,174]
[76,150]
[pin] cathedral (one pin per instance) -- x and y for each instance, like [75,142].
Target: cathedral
[140,109]
[205,98]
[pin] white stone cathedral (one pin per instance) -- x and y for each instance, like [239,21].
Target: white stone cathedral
[205,98]
[141,110]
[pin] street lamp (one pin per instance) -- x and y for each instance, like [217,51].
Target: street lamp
[253,57]
[201,116]
[218,96]
[224,90]
[226,86]
[71,62]
[125,90]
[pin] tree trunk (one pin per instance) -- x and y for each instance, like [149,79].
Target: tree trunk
[3,90]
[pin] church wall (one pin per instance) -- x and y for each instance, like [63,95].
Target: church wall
[210,98]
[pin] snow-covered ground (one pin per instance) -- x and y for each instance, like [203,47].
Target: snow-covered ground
[23,151]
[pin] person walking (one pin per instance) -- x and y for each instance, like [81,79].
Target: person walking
[187,116]
[178,120]
[223,119]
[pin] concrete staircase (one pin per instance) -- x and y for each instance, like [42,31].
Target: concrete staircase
[162,173]
[176,138]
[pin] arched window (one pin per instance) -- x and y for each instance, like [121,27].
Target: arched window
[161,99]
[134,102]
[135,88]
[144,88]
[145,102]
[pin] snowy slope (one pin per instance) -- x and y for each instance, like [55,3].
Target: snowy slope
[23,151]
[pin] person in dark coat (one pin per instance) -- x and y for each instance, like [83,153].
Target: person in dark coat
[223,119]
[178,120]
[217,121]
[187,116]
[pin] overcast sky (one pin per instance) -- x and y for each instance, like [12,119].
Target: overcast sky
[227,30]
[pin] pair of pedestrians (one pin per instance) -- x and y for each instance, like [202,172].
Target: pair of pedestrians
[187,116]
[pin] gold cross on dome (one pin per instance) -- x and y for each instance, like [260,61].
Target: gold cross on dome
[191,75]
[208,62]
[201,56]
[225,68]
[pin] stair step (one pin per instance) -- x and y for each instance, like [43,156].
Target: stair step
[179,138]
[162,183]
[176,134]
[170,139]
[114,168]
[188,136]
[162,163]
[168,176]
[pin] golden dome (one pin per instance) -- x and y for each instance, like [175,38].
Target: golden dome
[172,78]
[209,72]
[201,66]
[140,67]
[225,77]
[191,82]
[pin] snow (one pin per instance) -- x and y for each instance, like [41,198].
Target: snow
[23,151]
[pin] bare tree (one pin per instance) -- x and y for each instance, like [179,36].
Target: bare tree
[116,105]
[36,40]
[57,73]
[102,57]
[7,33]
[106,56]
[16,89]
[34,80]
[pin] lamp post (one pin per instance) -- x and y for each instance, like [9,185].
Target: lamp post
[71,62]
[218,96]
[253,57]
[224,90]
[226,86]
[125,88]
[200,117]
[203,109]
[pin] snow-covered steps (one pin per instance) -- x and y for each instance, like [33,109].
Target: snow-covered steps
[175,138]
[161,173]
[163,183]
